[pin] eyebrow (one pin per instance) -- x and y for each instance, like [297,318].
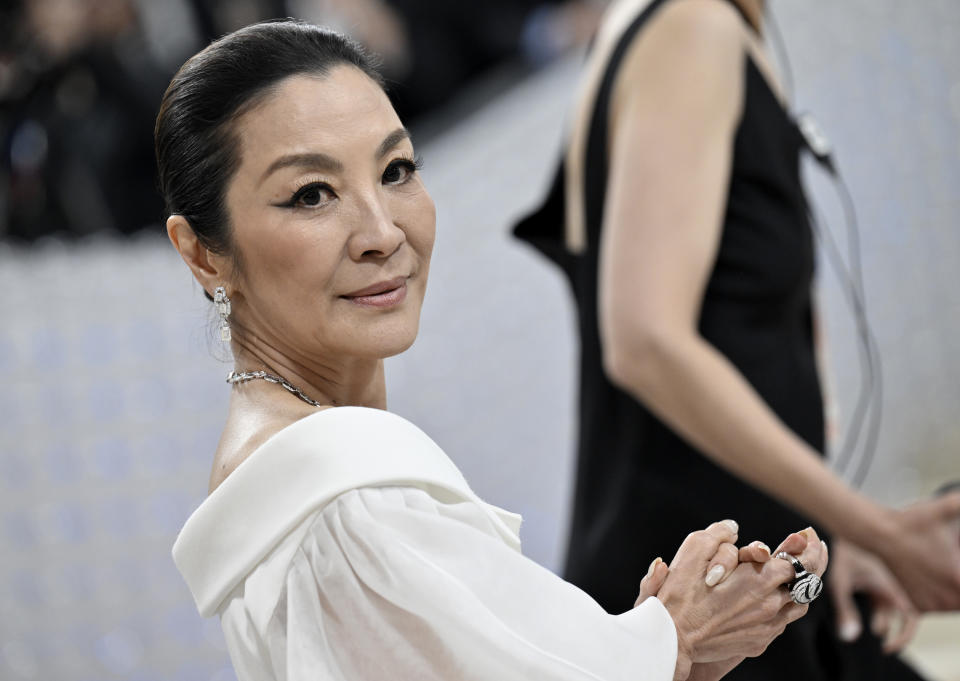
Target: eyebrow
[325,162]
[392,140]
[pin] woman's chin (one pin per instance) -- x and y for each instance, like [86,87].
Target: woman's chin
[387,342]
[399,349]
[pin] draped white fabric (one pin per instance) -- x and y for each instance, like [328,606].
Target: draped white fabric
[414,580]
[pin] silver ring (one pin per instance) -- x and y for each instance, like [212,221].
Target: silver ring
[805,586]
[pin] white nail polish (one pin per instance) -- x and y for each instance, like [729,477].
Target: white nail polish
[849,631]
[732,525]
[714,575]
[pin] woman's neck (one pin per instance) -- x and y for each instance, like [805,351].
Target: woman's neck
[344,382]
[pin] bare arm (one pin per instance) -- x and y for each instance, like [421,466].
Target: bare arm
[671,154]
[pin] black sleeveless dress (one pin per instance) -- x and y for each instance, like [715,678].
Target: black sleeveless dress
[640,488]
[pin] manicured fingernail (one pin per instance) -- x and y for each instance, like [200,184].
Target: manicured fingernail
[714,575]
[763,547]
[849,631]
[732,525]
[824,545]
[653,566]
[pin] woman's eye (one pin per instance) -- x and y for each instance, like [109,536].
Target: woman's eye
[311,195]
[399,171]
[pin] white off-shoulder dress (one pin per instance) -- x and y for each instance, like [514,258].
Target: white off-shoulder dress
[349,546]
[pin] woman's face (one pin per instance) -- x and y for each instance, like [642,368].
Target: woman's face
[330,220]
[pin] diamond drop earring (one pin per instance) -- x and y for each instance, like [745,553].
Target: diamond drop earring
[223,309]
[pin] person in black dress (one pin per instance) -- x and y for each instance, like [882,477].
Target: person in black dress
[679,215]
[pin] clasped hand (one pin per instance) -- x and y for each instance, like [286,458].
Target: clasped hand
[728,603]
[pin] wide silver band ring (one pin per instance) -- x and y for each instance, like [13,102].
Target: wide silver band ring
[805,586]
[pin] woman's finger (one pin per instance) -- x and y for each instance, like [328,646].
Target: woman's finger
[660,574]
[793,611]
[890,598]
[880,622]
[778,571]
[724,562]
[815,555]
[948,506]
[794,544]
[909,621]
[652,581]
[846,613]
[754,552]
[699,547]
[724,531]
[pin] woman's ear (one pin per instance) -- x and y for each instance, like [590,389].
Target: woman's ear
[208,268]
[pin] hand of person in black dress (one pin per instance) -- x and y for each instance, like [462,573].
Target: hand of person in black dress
[853,571]
[922,548]
[755,612]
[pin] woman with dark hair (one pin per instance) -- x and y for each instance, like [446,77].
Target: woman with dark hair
[338,541]
[679,216]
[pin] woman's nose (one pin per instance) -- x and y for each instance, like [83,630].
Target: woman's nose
[376,234]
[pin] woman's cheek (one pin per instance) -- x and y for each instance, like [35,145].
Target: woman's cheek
[428,226]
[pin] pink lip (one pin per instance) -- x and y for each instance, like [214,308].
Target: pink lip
[383,294]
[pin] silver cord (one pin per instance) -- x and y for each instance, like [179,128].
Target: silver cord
[869,404]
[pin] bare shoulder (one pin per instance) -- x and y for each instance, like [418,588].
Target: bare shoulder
[246,429]
[713,22]
[690,54]
[700,36]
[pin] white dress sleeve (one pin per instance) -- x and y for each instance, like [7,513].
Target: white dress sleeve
[391,584]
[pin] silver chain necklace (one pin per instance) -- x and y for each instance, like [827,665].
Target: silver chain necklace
[238,377]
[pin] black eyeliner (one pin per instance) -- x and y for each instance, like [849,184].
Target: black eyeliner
[297,195]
